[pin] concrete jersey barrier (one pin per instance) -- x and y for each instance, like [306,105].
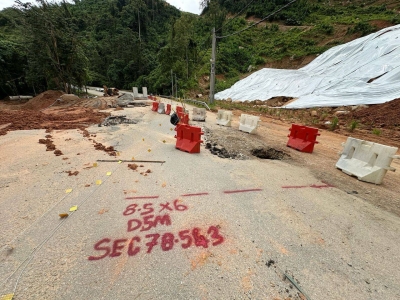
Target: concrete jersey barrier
[135,92]
[248,123]
[199,114]
[224,118]
[365,160]
[161,108]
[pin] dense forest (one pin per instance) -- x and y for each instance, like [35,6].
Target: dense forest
[126,43]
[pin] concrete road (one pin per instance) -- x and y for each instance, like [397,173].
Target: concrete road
[195,227]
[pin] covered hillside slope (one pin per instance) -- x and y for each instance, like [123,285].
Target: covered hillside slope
[364,71]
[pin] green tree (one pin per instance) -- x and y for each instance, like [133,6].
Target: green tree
[54,49]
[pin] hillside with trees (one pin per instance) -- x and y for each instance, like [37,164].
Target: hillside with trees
[125,43]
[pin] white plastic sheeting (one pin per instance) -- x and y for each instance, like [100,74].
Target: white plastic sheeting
[338,77]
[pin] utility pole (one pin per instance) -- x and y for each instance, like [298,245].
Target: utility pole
[212,77]
[172,85]
[176,87]
[139,23]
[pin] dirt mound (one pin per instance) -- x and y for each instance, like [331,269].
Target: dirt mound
[42,100]
[53,119]
[380,115]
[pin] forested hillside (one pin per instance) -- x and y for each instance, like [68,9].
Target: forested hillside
[125,43]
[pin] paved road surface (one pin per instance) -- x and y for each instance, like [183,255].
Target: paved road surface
[195,227]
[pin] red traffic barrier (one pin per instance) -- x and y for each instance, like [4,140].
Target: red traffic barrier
[303,138]
[168,109]
[155,106]
[183,118]
[188,138]
[179,109]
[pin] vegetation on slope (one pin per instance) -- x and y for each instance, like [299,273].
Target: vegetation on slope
[125,43]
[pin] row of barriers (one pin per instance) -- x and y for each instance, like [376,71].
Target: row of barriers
[188,138]
[365,160]
[247,123]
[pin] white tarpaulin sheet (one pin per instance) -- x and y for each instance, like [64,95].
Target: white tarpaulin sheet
[338,77]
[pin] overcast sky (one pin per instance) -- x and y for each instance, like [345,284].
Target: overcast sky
[192,6]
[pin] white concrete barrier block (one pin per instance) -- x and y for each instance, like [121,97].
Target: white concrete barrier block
[135,92]
[144,90]
[248,123]
[199,114]
[224,118]
[161,108]
[365,160]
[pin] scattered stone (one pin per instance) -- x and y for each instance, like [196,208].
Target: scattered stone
[314,113]
[270,263]
[353,192]
[49,144]
[341,113]
[109,150]
[359,107]
[132,166]
[70,173]
[58,152]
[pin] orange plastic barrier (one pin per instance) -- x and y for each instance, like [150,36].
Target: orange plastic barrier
[168,110]
[188,138]
[155,106]
[303,138]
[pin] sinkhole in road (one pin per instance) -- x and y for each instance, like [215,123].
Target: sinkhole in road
[269,153]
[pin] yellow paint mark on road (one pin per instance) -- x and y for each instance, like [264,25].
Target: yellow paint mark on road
[7,297]
[98,182]
[68,191]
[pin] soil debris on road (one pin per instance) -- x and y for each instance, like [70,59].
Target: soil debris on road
[133,166]
[70,173]
[63,115]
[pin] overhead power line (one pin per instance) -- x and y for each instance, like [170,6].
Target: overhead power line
[230,20]
[270,15]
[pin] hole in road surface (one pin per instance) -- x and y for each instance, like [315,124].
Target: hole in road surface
[269,153]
